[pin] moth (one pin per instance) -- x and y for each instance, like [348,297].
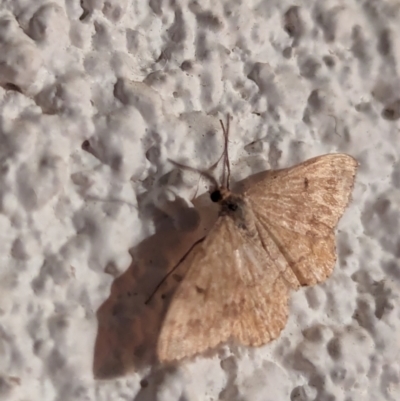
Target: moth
[275,237]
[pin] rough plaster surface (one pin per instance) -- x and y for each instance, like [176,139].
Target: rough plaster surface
[96,96]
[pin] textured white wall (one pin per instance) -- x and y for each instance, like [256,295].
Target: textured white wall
[95,96]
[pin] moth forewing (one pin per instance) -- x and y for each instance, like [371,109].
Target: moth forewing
[300,207]
[232,290]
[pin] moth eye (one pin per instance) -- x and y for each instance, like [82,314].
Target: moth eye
[216,196]
[232,206]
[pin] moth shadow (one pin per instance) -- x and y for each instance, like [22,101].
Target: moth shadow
[128,328]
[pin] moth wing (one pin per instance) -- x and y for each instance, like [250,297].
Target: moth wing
[234,288]
[299,208]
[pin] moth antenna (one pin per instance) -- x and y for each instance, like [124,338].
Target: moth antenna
[209,169]
[94,198]
[197,188]
[223,153]
[172,270]
[205,174]
[226,155]
[228,166]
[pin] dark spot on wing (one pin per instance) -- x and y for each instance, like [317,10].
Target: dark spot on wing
[232,206]
[306,183]
[241,225]
[195,324]
[178,278]
[200,290]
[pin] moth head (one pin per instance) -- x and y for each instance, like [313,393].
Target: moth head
[219,194]
[216,195]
